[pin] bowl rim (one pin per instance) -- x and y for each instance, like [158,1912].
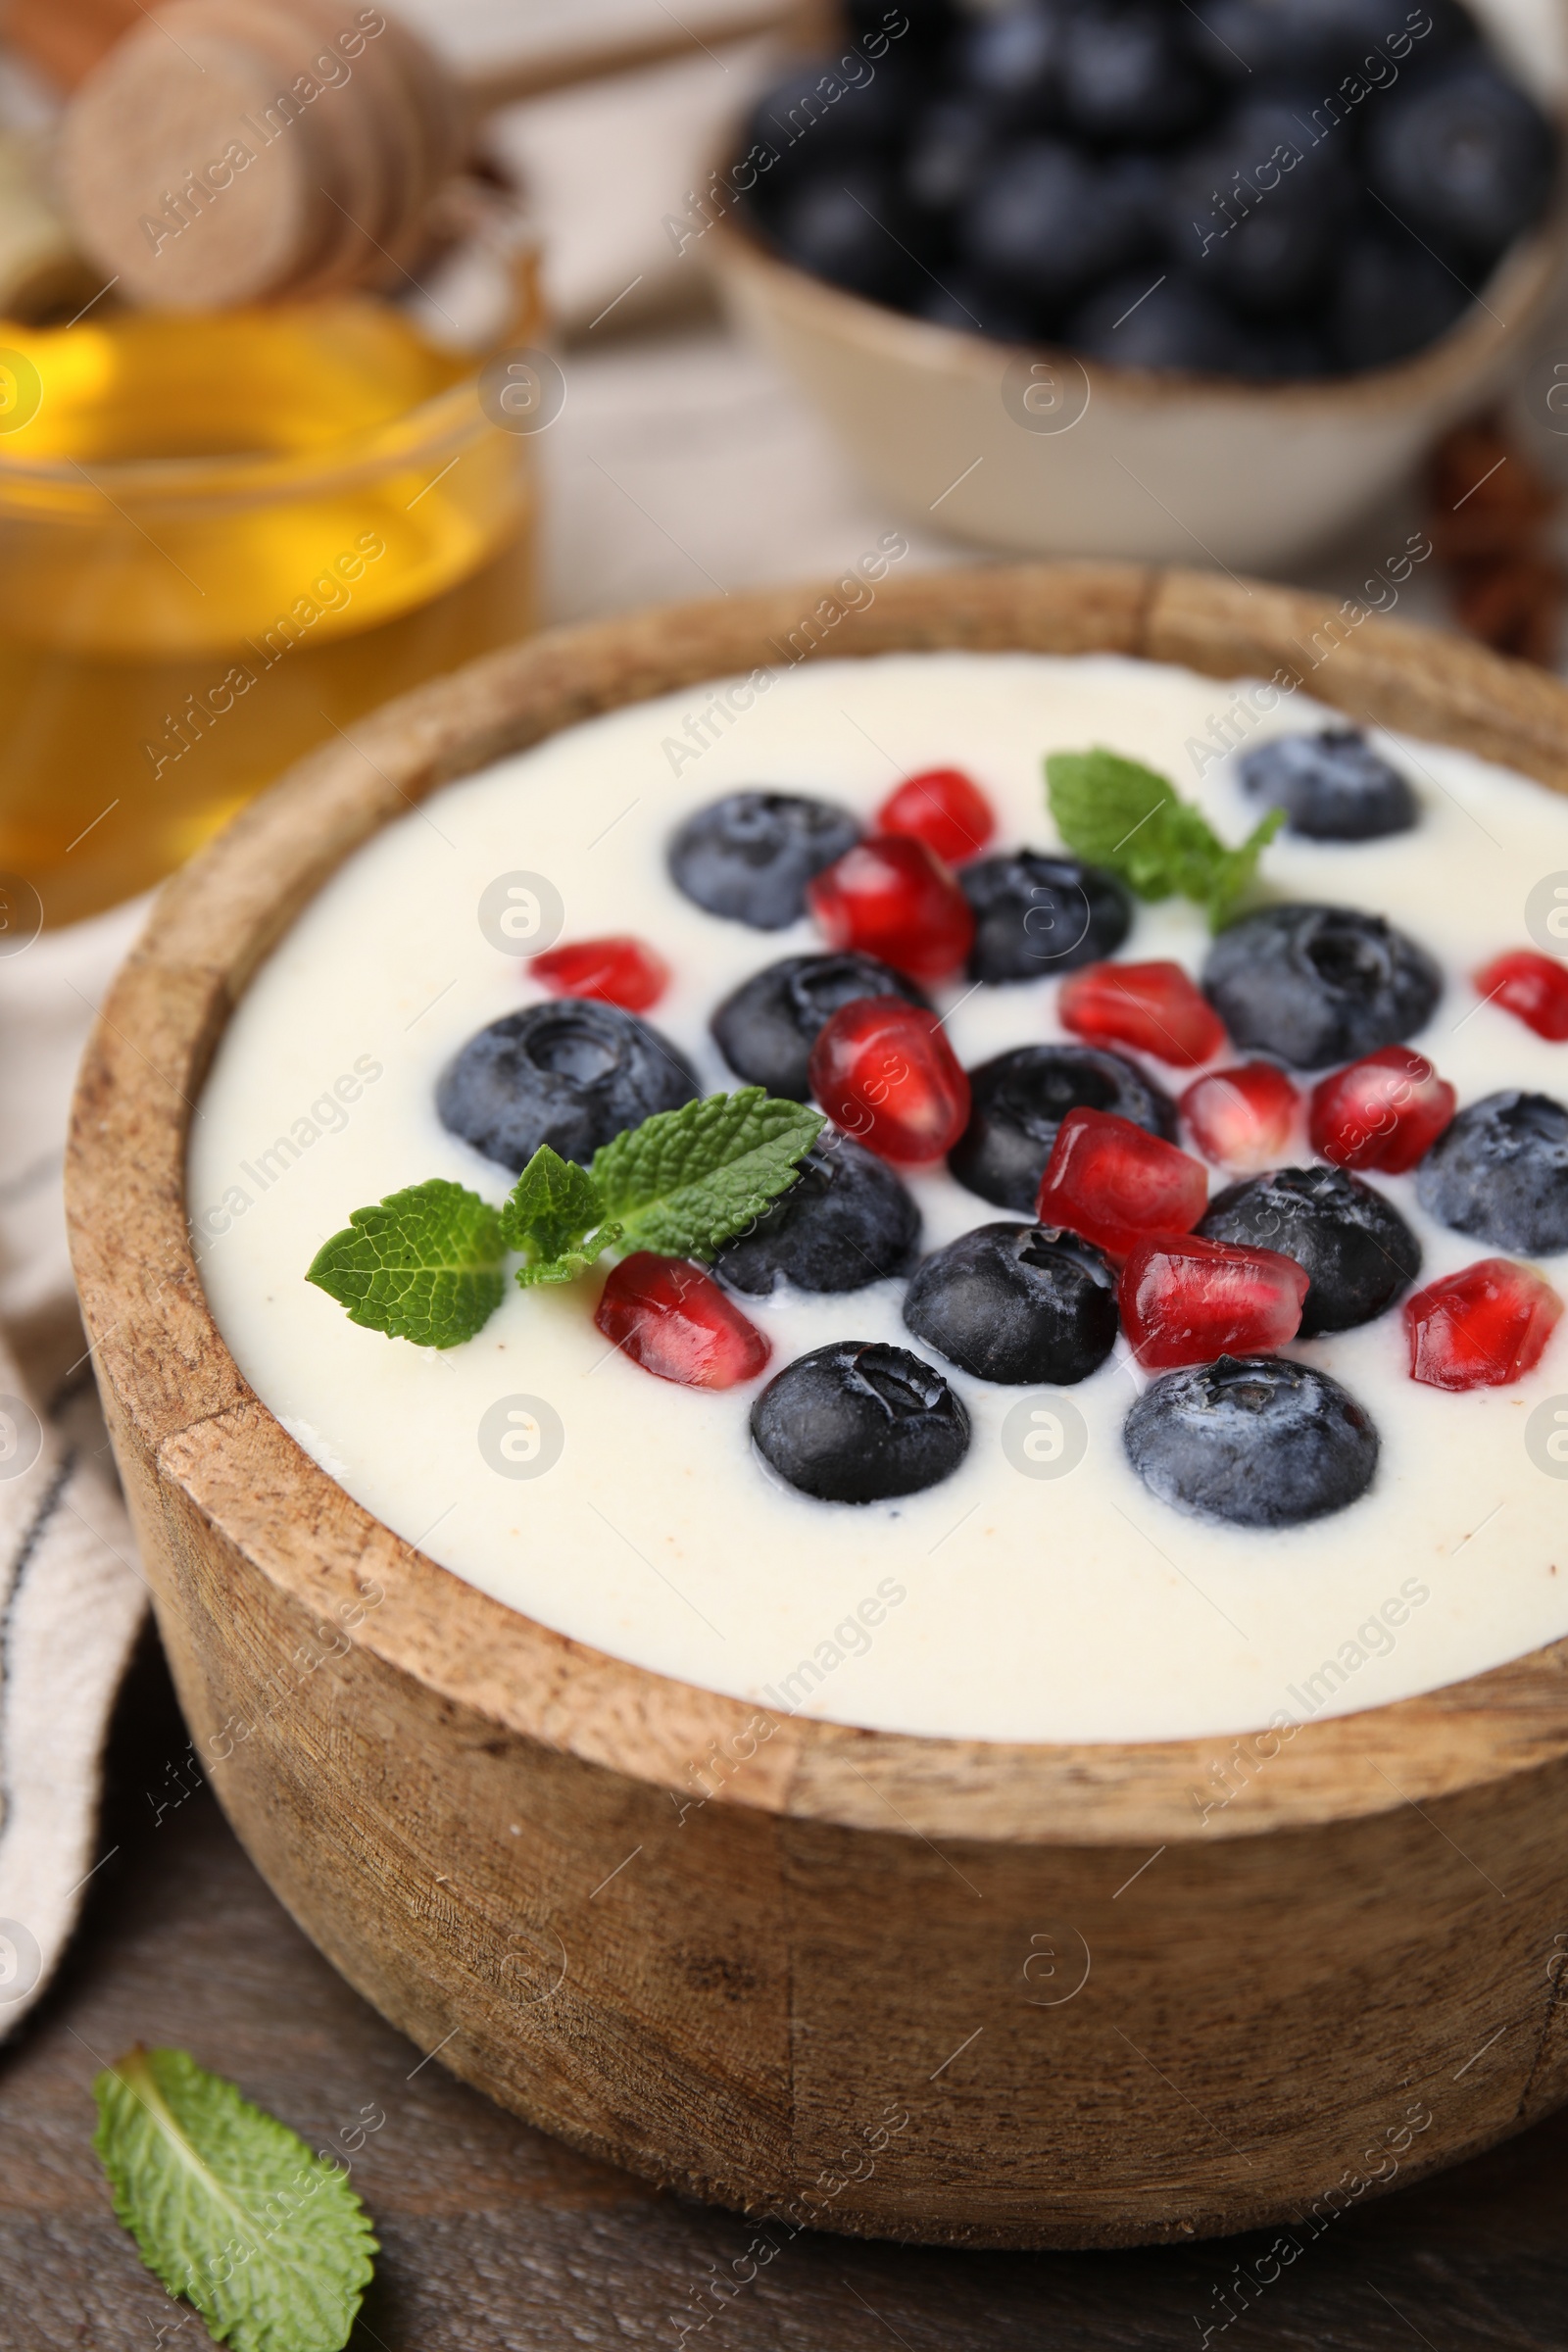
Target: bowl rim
[1523,279]
[192,1435]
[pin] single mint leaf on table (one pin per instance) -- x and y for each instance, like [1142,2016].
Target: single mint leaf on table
[555,1217]
[425,1265]
[229,2207]
[686,1181]
[1117,814]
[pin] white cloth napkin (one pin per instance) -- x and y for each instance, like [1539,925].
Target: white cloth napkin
[72,1593]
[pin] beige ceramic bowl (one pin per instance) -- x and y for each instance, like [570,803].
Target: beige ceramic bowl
[1035,450]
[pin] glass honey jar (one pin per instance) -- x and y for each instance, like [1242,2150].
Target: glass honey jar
[222,537]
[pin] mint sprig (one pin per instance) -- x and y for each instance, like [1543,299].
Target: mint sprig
[230,2208]
[555,1216]
[425,1264]
[1132,821]
[686,1181]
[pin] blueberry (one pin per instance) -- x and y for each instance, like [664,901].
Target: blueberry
[1358,1252]
[1332,785]
[1038,915]
[846,1221]
[1048,222]
[1133,322]
[1259,1439]
[1284,351]
[1019,1099]
[1391,299]
[1010,58]
[751,855]
[1128,72]
[847,224]
[1017,1303]
[767,1029]
[1500,1172]
[857,1422]
[1316,985]
[570,1074]
[1314,41]
[1463,157]
[950,148]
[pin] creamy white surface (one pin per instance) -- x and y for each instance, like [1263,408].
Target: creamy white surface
[1077,1608]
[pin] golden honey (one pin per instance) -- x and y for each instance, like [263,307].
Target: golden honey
[221,538]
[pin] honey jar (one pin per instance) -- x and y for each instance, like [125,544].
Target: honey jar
[222,537]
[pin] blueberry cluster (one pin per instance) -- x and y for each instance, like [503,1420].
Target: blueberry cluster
[1261,188]
[1259,1441]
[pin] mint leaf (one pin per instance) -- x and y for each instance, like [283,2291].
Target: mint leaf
[1111,812]
[1234,870]
[686,1180]
[230,2208]
[1120,815]
[425,1265]
[556,1216]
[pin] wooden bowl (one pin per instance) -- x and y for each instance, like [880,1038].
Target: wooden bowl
[925,1989]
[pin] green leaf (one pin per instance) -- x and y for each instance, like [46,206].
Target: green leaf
[1109,810]
[1125,817]
[555,1216]
[1232,875]
[425,1265]
[685,1181]
[229,2207]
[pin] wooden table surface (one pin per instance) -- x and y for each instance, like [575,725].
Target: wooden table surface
[495,2239]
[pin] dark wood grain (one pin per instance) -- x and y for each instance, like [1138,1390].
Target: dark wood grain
[495,2239]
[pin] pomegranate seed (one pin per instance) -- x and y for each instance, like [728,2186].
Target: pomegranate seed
[1481,1328]
[673,1319]
[942,808]
[892,896]
[1243,1118]
[1116,1185]
[1152,1007]
[1534,988]
[1380,1112]
[885,1073]
[618,971]
[1185,1301]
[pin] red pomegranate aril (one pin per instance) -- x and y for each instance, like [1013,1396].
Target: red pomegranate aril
[615,970]
[943,807]
[885,1073]
[1482,1328]
[1153,1008]
[1383,1111]
[1117,1184]
[673,1319]
[1242,1119]
[1186,1300]
[1532,987]
[892,896]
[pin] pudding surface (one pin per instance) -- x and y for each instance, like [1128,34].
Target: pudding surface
[1000,1603]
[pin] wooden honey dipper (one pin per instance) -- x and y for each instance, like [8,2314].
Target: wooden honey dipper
[238,151]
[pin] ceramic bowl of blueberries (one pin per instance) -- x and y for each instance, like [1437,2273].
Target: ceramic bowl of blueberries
[870,1979]
[1139,281]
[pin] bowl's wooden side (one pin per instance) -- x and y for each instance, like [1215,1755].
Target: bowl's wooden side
[727,1985]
